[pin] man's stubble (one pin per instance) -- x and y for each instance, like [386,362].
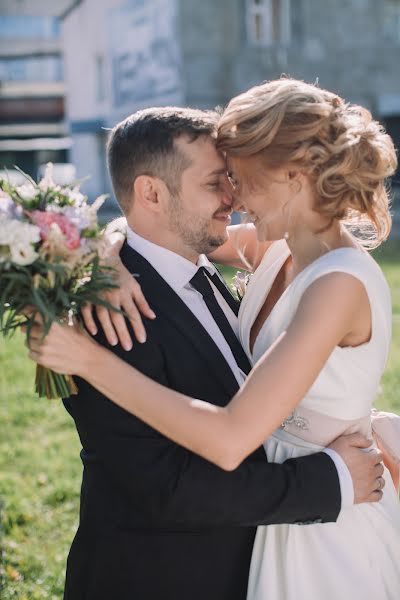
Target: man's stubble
[194,231]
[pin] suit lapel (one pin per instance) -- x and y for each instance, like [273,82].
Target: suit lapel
[163,299]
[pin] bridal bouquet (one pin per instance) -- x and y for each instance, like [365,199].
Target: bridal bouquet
[50,244]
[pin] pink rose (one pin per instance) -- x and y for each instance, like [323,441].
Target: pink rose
[44,220]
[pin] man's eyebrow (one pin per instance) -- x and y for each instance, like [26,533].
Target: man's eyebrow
[217,172]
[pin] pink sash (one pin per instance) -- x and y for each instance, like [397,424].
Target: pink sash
[386,430]
[321,430]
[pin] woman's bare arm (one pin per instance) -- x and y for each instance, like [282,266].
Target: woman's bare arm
[127,296]
[242,250]
[224,436]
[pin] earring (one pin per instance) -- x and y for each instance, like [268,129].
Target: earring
[286,235]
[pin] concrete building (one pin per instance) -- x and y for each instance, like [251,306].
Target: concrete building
[119,57]
[32,124]
[122,55]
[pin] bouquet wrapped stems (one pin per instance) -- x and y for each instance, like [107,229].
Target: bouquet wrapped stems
[53,385]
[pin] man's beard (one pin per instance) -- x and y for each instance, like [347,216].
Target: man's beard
[193,230]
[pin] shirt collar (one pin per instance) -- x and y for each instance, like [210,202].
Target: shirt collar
[176,270]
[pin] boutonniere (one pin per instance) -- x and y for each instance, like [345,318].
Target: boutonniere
[239,284]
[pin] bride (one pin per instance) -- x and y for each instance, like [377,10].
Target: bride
[315,321]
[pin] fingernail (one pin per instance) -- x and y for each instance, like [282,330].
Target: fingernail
[114,342]
[93,331]
[152,314]
[128,347]
[141,339]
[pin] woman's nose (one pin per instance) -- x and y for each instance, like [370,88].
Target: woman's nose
[237,204]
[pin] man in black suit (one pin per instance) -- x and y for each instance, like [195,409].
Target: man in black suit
[157,521]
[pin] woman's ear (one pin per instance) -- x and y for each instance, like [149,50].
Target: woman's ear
[296,180]
[294,174]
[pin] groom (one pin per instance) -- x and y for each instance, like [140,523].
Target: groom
[156,521]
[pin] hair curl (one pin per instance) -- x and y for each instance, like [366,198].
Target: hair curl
[346,153]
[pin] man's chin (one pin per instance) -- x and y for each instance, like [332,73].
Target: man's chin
[219,229]
[212,243]
[217,241]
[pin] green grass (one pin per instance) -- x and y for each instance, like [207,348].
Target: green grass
[39,482]
[40,467]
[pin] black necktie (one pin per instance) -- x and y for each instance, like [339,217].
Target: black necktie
[223,290]
[201,283]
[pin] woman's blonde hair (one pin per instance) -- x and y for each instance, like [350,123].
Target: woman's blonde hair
[346,153]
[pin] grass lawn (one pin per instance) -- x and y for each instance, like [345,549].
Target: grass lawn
[40,467]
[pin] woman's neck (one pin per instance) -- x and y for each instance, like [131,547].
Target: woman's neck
[306,246]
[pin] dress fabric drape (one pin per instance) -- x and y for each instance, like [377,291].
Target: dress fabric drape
[358,557]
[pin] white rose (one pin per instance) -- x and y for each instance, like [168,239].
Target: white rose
[19,237]
[23,254]
[19,233]
[31,233]
[6,231]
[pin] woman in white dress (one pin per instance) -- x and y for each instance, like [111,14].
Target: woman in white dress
[315,321]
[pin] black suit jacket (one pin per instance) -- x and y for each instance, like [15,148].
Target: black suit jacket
[157,521]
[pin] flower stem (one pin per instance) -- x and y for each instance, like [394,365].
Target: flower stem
[53,385]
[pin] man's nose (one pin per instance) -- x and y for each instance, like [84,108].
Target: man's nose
[227,198]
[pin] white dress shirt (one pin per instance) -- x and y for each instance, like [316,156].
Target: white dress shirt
[177,271]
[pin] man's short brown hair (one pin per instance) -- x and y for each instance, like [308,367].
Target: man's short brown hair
[143,144]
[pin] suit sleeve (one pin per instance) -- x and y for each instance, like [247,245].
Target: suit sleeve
[168,485]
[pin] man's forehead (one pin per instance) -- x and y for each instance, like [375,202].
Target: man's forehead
[205,157]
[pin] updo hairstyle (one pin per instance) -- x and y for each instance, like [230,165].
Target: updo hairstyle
[346,153]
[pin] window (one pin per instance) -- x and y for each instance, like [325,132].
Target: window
[40,68]
[23,26]
[268,22]
[391,20]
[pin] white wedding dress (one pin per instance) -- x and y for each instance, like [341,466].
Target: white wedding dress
[358,557]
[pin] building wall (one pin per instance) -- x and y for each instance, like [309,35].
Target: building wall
[32,127]
[341,43]
[119,56]
[113,69]
[85,44]
[211,38]
[351,47]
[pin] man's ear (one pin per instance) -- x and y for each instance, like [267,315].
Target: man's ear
[146,192]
